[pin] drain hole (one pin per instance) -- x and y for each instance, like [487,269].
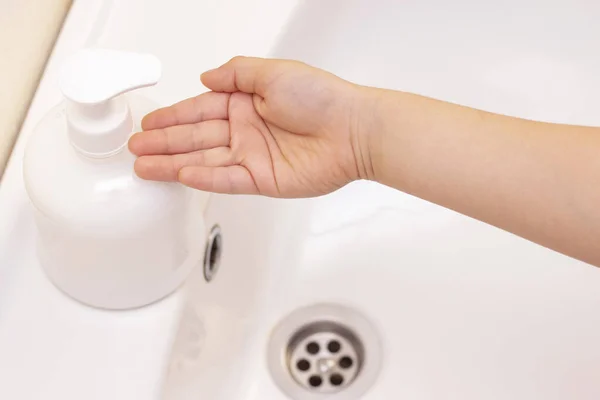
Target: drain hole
[212,256]
[313,348]
[303,365]
[345,362]
[336,379]
[334,346]
[315,381]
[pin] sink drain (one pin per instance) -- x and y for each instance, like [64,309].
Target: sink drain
[324,351]
[324,357]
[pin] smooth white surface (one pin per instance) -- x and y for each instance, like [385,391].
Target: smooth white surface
[464,311]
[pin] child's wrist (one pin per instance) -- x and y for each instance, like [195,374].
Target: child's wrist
[368,130]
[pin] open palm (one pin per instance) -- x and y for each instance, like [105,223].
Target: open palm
[270,127]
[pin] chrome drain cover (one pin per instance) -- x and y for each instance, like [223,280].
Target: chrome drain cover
[325,351]
[323,358]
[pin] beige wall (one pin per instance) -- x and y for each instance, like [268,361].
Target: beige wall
[28,29]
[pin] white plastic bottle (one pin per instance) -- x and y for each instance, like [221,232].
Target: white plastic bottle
[106,237]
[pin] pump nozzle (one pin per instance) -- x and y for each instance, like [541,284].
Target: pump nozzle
[100,122]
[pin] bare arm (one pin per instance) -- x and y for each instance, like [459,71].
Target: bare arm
[284,129]
[537,180]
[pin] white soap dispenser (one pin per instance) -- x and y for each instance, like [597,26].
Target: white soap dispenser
[106,237]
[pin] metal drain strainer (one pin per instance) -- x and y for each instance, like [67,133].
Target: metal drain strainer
[324,351]
[324,358]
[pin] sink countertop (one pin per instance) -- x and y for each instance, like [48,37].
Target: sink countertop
[28,31]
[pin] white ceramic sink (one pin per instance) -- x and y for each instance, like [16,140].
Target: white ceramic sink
[461,310]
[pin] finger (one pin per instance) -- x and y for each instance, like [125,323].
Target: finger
[181,138]
[232,180]
[243,74]
[207,106]
[165,168]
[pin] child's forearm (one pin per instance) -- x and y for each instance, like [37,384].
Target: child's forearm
[540,181]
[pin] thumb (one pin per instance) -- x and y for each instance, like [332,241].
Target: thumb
[240,74]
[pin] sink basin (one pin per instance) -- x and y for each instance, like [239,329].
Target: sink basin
[463,310]
[443,306]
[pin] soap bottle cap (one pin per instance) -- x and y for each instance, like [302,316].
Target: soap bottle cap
[99,121]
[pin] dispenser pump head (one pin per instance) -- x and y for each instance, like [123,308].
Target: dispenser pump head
[99,121]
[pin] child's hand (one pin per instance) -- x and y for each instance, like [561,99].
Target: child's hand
[282,128]
[271,127]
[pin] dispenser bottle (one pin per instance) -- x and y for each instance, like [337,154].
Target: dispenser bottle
[106,237]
